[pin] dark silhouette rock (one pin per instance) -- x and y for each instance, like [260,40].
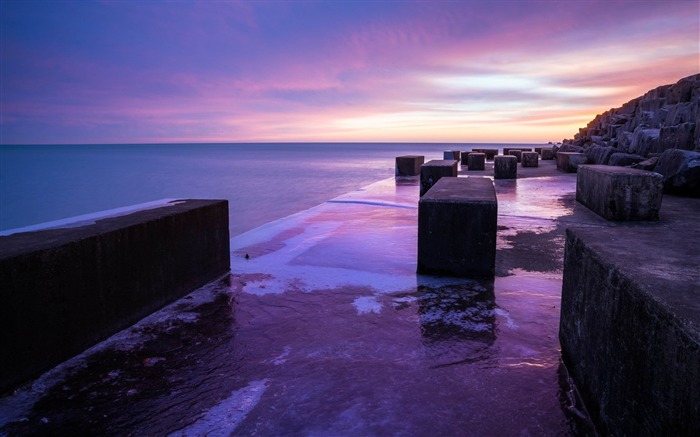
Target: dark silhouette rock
[681,172]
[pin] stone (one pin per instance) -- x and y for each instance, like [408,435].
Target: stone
[408,165]
[570,148]
[547,154]
[476,161]
[457,221]
[649,164]
[681,136]
[433,170]
[644,141]
[599,154]
[681,172]
[569,161]
[530,159]
[630,327]
[624,159]
[451,154]
[620,193]
[517,153]
[65,289]
[490,153]
[505,167]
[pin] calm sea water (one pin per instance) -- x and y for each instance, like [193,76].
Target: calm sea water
[262,181]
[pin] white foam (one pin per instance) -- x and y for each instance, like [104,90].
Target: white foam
[367,304]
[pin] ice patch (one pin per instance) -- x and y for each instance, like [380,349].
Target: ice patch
[223,418]
[367,304]
[506,315]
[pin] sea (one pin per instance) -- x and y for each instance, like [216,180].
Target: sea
[263,182]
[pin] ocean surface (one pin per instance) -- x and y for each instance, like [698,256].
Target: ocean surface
[262,181]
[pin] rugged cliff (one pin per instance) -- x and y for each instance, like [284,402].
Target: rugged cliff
[658,131]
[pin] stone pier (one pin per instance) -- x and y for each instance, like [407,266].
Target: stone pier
[505,167]
[530,159]
[457,228]
[517,153]
[409,165]
[65,289]
[476,161]
[451,154]
[433,170]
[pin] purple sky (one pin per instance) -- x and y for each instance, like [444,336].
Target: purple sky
[469,71]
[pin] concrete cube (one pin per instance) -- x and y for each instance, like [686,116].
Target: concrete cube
[409,165]
[457,228]
[432,171]
[476,161]
[619,193]
[451,154]
[569,161]
[517,153]
[505,167]
[530,159]
[547,154]
[490,153]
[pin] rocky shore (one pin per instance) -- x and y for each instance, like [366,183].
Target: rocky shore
[658,131]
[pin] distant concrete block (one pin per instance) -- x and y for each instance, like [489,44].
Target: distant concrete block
[409,165]
[451,154]
[476,161]
[630,327]
[433,170]
[490,153]
[530,159]
[65,289]
[547,154]
[505,167]
[517,153]
[568,162]
[457,228]
[619,193]
[538,150]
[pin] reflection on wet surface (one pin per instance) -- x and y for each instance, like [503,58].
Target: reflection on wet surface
[325,329]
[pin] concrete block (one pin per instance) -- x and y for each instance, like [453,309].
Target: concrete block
[490,153]
[517,153]
[65,289]
[505,167]
[476,161]
[507,150]
[630,327]
[620,193]
[547,154]
[530,159]
[433,170]
[568,162]
[451,154]
[457,228]
[409,165]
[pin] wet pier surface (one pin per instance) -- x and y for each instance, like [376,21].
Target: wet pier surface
[324,328]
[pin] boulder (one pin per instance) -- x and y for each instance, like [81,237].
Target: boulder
[681,172]
[644,140]
[681,136]
[649,164]
[599,154]
[624,159]
[570,148]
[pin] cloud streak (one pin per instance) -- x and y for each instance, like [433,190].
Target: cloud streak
[107,72]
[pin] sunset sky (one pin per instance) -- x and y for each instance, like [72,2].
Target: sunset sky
[221,71]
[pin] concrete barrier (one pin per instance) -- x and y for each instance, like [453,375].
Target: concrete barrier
[530,159]
[568,162]
[620,193]
[457,228]
[630,327]
[507,150]
[505,167]
[65,289]
[547,154]
[433,170]
[476,161]
[409,165]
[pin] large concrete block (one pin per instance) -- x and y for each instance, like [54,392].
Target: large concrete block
[530,159]
[433,170]
[505,167]
[517,153]
[547,154]
[451,154]
[476,161]
[620,193]
[457,228]
[65,289]
[409,165]
[490,153]
[630,327]
[569,161]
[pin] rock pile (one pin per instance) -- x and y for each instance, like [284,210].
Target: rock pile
[658,131]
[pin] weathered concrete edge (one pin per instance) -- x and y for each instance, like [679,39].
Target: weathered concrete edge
[636,363]
[66,289]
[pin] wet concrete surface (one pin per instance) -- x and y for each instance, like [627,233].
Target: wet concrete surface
[324,328]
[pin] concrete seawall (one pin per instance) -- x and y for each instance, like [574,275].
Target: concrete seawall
[65,289]
[630,327]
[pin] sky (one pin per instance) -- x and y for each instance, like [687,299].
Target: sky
[129,71]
